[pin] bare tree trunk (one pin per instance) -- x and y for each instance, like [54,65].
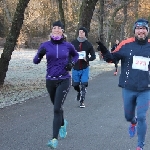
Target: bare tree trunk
[61,12]
[112,22]
[101,20]
[12,38]
[124,20]
[136,8]
[8,16]
[86,13]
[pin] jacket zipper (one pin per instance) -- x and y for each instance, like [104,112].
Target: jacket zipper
[57,51]
[80,64]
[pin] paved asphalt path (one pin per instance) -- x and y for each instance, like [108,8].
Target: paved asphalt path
[99,126]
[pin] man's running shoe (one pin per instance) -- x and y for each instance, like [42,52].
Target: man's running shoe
[139,148]
[53,143]
[115,73]
[82,105]
[63,130]
[78,98]
[132,130]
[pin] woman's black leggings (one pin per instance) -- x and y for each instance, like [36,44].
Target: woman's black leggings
[58,90]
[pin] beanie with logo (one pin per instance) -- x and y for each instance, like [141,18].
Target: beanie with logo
[141,23]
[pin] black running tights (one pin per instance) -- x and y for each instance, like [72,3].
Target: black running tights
[58,90]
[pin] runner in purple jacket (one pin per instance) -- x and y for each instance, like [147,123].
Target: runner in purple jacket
[58,79]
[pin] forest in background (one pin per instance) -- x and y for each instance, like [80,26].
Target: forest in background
[111,19]
[27,23]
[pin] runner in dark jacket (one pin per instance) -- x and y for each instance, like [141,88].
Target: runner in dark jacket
[58,82]
[80,71]
[134,54]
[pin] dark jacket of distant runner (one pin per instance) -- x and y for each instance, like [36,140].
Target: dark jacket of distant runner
[90,53]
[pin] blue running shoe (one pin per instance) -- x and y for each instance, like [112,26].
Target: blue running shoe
[52,143]
[132,130]
[63,130]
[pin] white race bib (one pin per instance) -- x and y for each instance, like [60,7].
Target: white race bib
[140,62]
[82,55]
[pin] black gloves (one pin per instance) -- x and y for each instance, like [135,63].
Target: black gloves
[69,66]
[102,48]
[42,53]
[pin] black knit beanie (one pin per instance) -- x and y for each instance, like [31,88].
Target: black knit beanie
[85,30]
[141,23]
[59,24]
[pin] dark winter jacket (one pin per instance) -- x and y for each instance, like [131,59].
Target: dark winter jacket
[89,50]
[57,58]
[134,79]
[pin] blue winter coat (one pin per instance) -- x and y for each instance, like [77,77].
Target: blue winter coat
[130,78]
[57,56]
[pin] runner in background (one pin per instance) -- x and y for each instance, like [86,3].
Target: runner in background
[80,71]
